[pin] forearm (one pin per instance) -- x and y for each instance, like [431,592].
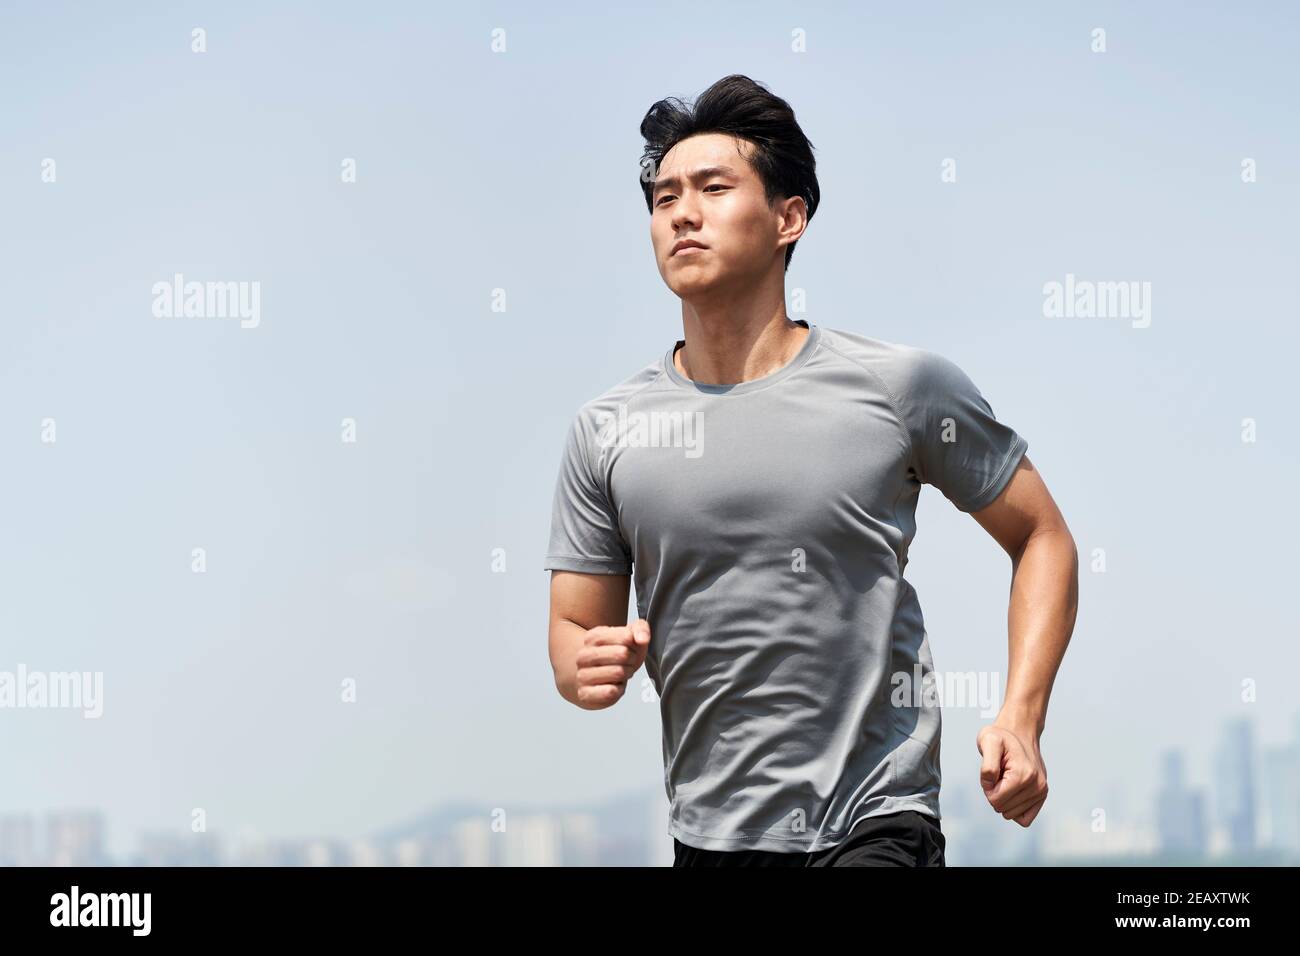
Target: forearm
[580,603]
[1040,620]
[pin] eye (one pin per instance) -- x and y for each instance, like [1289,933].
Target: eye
[660,200]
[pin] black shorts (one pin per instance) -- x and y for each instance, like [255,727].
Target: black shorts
[909,838]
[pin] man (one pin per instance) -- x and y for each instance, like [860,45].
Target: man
[760,480]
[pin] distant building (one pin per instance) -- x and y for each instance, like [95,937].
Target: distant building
[319,853]
[1282,794]
[364,853]
[18,840]
[578,840]
[471,843]
[534,840]
[412,852]
[75,838]
[1234,786]
[173,848]
[1180,811]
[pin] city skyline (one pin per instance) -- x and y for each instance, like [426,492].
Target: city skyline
[1181,826]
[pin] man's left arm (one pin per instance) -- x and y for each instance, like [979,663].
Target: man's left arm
[1026,522]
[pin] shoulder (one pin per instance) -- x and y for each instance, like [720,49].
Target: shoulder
[907,371]
[643,380]
[596,412]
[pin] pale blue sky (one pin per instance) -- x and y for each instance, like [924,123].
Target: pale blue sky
[517,170]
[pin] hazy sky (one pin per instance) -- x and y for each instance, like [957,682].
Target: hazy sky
[516,170]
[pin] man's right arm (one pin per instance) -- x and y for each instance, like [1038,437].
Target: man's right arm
[592,647]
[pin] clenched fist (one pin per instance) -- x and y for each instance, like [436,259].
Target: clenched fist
[608,657]
[1012,772]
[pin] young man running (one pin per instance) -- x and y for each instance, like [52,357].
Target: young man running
[760,481]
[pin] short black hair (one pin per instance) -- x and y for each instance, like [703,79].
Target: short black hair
[783,156]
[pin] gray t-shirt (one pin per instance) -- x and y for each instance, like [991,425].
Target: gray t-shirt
[767,525]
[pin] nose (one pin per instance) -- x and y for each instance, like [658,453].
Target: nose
[684,212]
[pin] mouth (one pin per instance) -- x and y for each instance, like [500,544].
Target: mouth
[685,247]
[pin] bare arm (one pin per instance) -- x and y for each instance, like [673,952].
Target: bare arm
[593,650]
[1026,522]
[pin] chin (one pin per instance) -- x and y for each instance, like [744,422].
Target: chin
[685,286]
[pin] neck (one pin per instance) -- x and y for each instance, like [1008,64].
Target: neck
[732,342]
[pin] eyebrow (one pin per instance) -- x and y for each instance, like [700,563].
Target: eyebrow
[704,172]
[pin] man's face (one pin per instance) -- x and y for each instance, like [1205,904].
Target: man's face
[707,191]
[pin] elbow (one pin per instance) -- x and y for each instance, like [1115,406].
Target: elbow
[562,688]
[565,682]
[1073,545]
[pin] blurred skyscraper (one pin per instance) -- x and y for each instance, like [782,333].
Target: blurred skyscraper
[1282,793]
[1233,778]
[1180,811]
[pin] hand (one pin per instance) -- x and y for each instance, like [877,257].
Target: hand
[1012,772]
[608,657]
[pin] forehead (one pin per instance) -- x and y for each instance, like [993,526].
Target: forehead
[706,149]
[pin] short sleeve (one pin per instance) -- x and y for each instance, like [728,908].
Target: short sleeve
[958,445]
[584,526]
